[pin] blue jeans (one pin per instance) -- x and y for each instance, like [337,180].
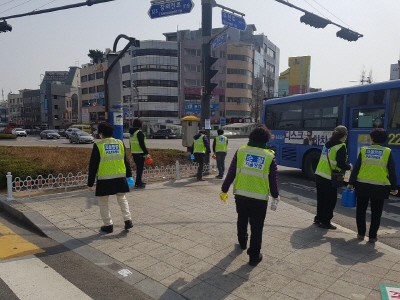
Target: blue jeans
[221,163]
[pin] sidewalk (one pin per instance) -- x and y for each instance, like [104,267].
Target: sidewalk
[183,246]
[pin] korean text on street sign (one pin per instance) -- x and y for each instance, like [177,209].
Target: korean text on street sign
[233,21]
[219,41]
[170,8]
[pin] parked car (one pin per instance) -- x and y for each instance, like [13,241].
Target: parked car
[19,132]
[61,132]
[164,134]
[69,130]
[49,134]
[80,137]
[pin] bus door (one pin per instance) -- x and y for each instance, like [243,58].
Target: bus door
[361,122]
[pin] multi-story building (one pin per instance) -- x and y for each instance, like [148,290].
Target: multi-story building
[154,73]
[53,89]
[92,91]
[32,106]
[243,59]
[296,79]
[15,107]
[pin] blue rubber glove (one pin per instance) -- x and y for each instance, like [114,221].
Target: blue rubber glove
[130,181]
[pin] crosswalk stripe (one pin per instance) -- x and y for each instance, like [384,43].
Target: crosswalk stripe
[31,279]
[12,245]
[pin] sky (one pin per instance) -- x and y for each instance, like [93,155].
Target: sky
[57,40]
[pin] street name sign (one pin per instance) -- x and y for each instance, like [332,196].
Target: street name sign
[170,8]
[233,21]
[219,41]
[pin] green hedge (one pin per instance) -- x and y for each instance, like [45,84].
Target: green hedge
[20,167]
[7,136]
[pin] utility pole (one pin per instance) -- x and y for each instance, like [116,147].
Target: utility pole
[206,29]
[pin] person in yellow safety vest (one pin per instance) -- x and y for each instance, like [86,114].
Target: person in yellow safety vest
[326,192]
[374,177]
[110,165]
[200,148]
[220,148]
[254,172]
[138,146]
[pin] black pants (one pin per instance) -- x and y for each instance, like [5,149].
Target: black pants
[376,213]
[326,202]
[253,212]
[139,161]
[221,163]
[199,158]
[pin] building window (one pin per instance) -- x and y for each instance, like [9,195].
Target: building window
[55,97]
[84,78]
[222,84]
[100,88]
[92,89]
[126,83]
[193,68]
[56,106]
[126,69]
[156,52]
[271,53]
[271,68]
[55,117]
[192,52]
[240,57]
[99,75]
[91,77]
[84,91]
[158,68]
[192,82]
[239,85]
[222,54]
[155,82]
[240,72]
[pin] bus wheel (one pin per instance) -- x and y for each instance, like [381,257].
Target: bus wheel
[310,164]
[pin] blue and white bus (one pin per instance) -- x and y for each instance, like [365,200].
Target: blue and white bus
[301,124]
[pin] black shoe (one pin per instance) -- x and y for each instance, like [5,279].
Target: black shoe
[140,185]
[329,226]
[243,242]
[107,229]
[255,262]
[128,224]
[243,246]
[316,221]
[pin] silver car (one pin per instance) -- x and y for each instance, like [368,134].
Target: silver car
[80,137]
[49,134]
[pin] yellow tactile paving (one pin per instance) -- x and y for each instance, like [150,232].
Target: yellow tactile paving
[12,245]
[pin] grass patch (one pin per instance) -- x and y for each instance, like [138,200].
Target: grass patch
[34,161]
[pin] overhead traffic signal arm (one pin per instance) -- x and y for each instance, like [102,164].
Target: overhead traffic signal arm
[314,20]
[209,74]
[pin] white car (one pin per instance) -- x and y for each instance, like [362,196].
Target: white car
[19,132]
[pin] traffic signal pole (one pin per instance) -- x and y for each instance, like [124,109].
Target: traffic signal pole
[206,29]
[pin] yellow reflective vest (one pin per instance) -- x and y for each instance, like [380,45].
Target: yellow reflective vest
[221,143]
[323,168]
[112,155]
[252,170]
[134,143]
[198,145]
[374,160]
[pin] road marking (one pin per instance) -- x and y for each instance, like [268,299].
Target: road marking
[12,245]
[31,279]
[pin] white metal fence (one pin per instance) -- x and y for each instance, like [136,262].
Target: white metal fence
[52,182]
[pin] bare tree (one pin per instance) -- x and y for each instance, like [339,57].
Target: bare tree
[364,78]
[257,99]
[269,82]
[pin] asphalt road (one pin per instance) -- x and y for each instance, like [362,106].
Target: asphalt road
[293,186]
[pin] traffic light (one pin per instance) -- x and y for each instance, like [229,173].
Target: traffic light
[209,73]
[348,35]
[314,20]
[5,27]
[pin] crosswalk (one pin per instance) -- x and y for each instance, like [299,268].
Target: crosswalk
[26,275]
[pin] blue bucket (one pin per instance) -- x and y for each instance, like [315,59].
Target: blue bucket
[348,198]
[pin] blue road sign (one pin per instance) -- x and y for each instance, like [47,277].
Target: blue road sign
[233,21]
[222,121]
[170,8]
[219,41]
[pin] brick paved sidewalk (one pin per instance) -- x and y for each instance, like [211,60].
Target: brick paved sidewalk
[183,246]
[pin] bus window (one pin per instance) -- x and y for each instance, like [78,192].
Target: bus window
[394,112]
[366,98]
[368,118]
